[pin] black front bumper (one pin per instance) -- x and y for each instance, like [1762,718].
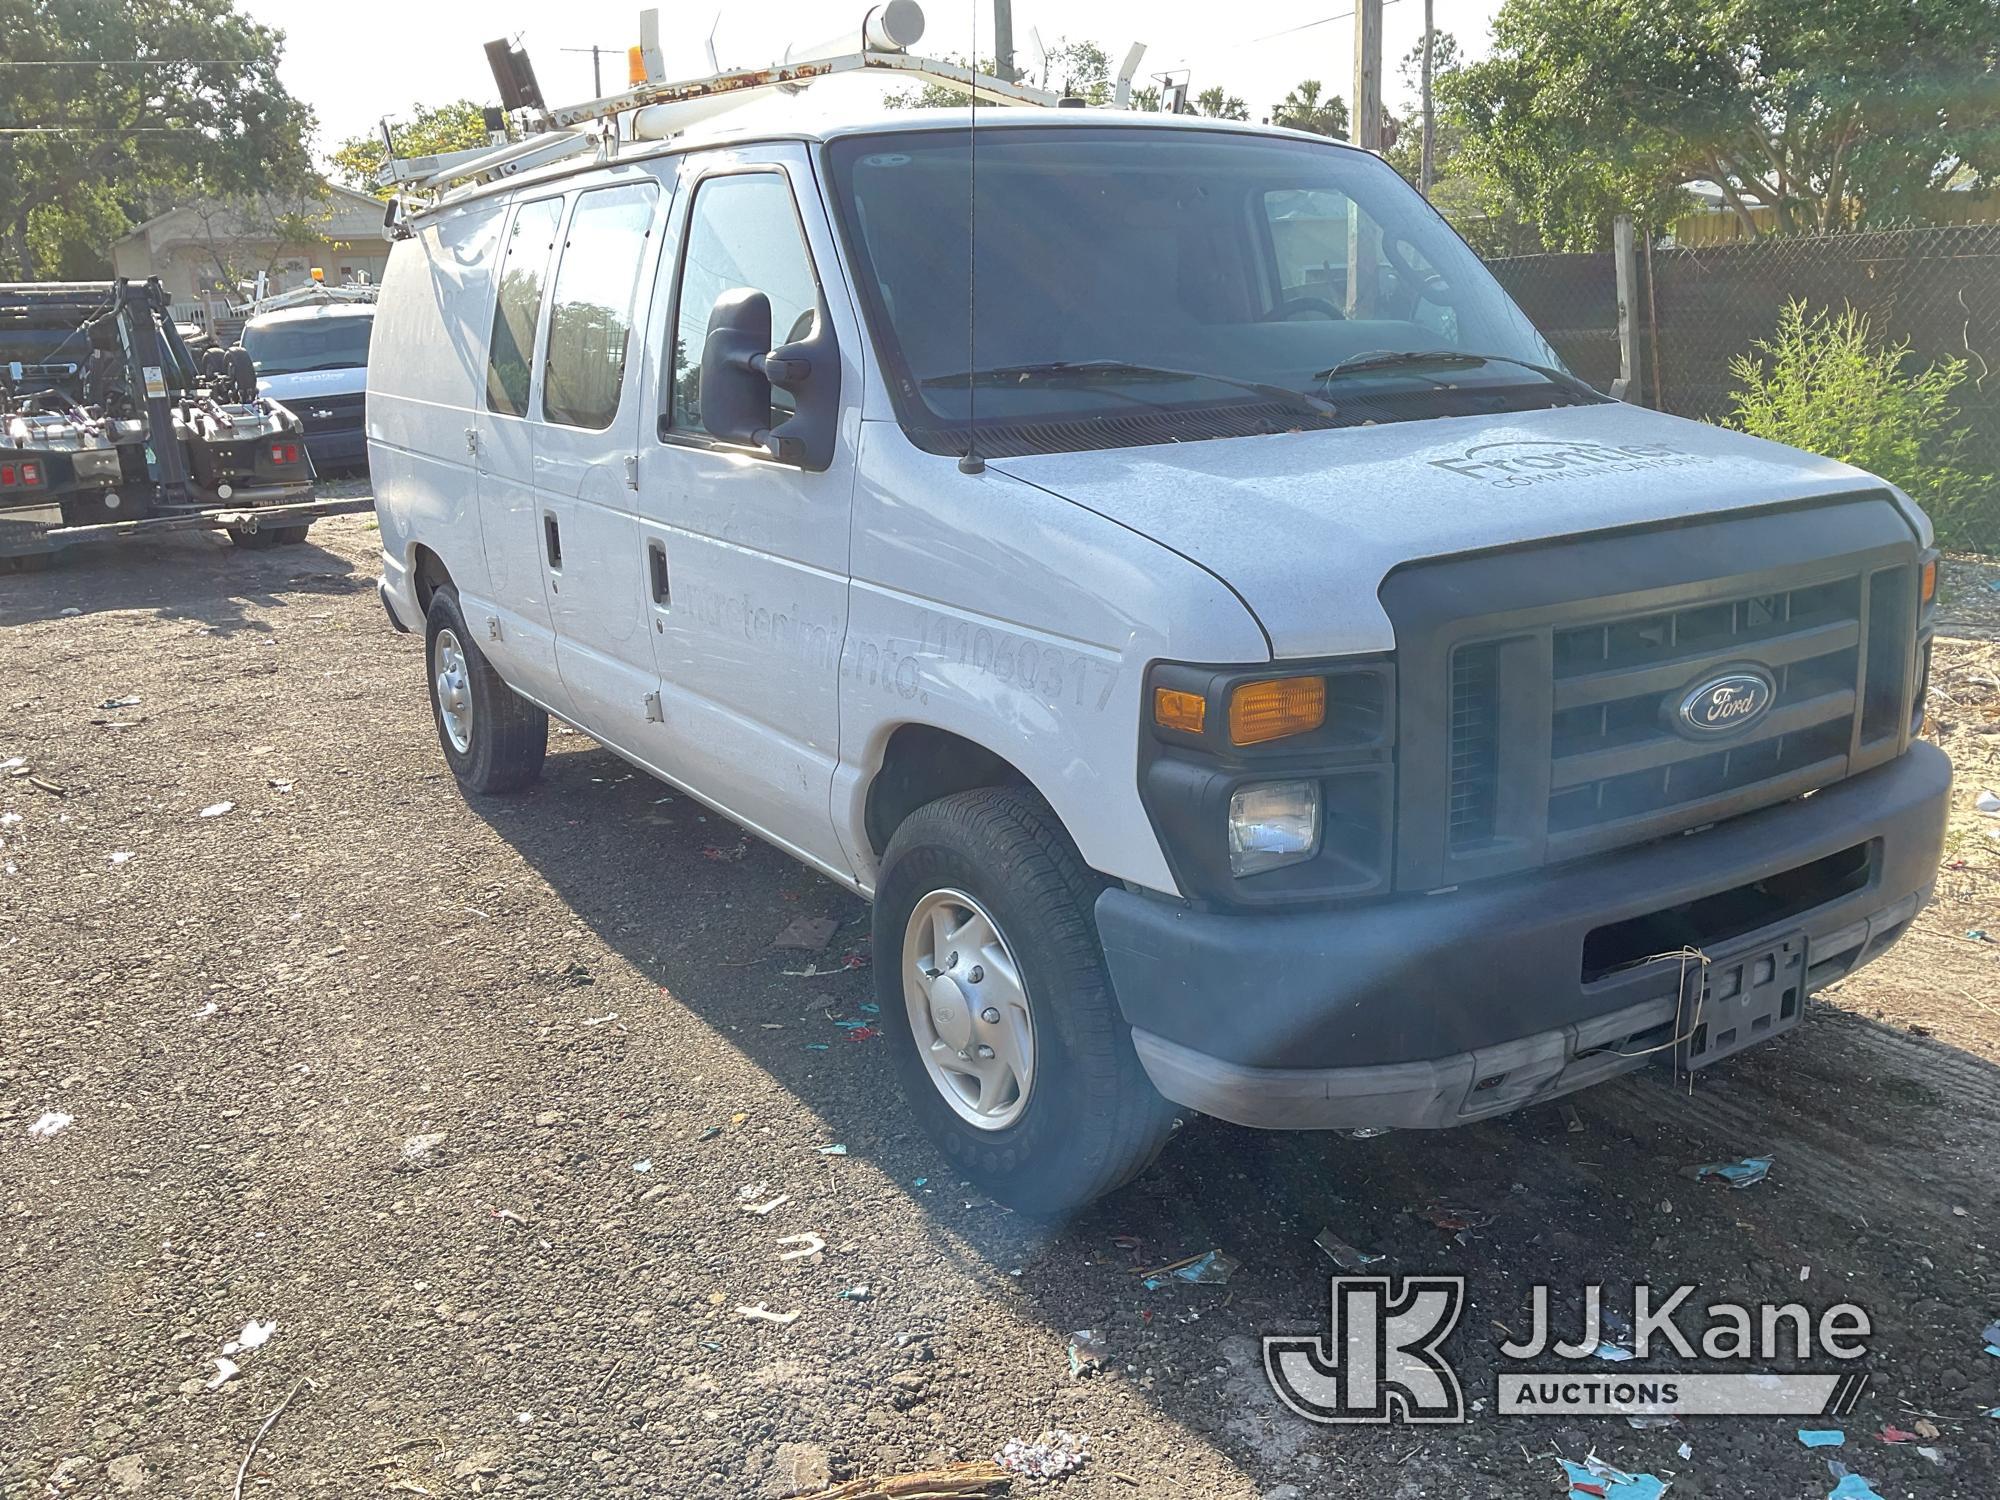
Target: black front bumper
[1432,1009]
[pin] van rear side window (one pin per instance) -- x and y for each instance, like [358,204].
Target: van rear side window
[511,354]
[590,314]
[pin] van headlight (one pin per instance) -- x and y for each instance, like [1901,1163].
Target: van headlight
[1272,824]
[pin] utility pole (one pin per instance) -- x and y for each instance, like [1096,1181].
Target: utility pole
[596,68]
[1426,170]
[1003,42]
[1364,248]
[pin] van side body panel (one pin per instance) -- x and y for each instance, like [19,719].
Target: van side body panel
[432,317]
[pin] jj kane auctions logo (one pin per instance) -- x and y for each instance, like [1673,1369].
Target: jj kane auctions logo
[1382,1357]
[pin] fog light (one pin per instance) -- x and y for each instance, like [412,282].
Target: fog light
[1273,824]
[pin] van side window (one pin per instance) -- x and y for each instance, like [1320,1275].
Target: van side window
[510,355]
[590,311]
[743,231]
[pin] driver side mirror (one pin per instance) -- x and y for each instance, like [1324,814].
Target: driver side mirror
[739,367]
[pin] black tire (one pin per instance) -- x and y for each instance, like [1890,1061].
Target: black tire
[1092,1120]
[268,536]
[507,736]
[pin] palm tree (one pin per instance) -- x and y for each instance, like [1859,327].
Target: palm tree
[1303,109]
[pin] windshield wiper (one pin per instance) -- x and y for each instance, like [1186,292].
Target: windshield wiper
[1384,359]
[1118,369]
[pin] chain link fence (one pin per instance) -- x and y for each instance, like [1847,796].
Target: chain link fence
[1699,308]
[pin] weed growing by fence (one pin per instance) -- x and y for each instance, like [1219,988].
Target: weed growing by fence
[1823,382]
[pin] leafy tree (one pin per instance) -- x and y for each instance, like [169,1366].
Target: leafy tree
[1480,206]
[1829,113]
[252,231]
[360,160]
[1079,68]
[1304,109]
[1218,105]
[1823,383]
[155,101]
[1146,96]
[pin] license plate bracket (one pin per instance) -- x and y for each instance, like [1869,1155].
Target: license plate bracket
[1742,997]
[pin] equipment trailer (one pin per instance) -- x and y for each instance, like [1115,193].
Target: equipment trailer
[135,435]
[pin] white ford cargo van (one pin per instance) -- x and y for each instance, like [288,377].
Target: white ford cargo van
[1246,674]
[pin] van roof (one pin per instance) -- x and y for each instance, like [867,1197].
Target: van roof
[316,310]
[797,119]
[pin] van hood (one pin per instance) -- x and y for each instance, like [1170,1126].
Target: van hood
[349,380]
[1305,525]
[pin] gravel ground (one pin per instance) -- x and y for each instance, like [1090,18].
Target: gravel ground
[468,1100]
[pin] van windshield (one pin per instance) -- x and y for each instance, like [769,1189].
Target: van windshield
[295,345]
[1140,284]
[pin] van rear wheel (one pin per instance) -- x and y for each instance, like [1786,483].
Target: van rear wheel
[1006,1038]
[493,738]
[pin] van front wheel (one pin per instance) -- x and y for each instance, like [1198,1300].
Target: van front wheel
[1006,1038]
[493,738]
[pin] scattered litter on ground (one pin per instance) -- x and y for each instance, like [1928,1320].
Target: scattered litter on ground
[208,1009]
[1642,1422]
[762,1314]
[729,855]
[1852,1487]
[964,1481]
[850,1025]
[1822,1437]
[226,1370]
[243,1469]
[1571,1119]
[1686,1450]
[760,1209]
[817,1047]
[1897,1435]
[1454,1220]
[1748,1172]
[1211,1268]
[1086,1351]
[643,1166]
[808,933]
[863,1034]
[1342,1254]
[1594,1479]
[1055,1453]
[120,856]
[1615,1353]
[812,971]
[836,1149]
[856,1294]
[50,1124]
[1935,1455]
[1928,1430]
[710,1133]
[132,700]
[808,1245]
[919,1181]
[417,1147]
[255,1335]
[216,809]
[1977,935]
[9,819]
[599,1020]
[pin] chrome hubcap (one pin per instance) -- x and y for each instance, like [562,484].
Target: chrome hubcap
[969,1010]
[454,690]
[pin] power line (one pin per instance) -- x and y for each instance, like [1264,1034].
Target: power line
[1344,15]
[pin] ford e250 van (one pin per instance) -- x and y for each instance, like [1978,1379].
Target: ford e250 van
[1244,670]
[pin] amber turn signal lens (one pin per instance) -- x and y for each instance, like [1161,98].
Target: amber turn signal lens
[1275,709]
[1929,581]
[1173,709]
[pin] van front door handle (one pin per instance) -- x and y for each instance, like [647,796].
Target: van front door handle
[552,540]
[656,569]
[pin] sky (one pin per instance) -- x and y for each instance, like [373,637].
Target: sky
[354,61]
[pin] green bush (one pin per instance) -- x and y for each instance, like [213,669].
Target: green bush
[1824,384]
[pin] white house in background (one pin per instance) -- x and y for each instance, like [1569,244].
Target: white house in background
[194,247]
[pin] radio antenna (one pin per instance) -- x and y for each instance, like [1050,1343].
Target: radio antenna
[972,463]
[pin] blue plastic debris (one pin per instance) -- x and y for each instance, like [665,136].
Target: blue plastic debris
[1609,1351]
[1212,1269]
[1852,1487]
[833,1150]
[1738,1174]
[816,1047]
[1594,1477]
[869,1008]
[918,1181]
[1822,1437]
[850,1025]
[1991,1337]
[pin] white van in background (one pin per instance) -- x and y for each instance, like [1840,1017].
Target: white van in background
[1245,674]
[314,359]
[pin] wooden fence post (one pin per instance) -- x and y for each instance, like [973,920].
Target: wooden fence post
[1628,386]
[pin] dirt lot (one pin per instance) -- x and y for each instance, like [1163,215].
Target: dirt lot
[465,1099]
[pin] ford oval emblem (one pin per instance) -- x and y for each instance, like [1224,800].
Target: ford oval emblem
[1722,705]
